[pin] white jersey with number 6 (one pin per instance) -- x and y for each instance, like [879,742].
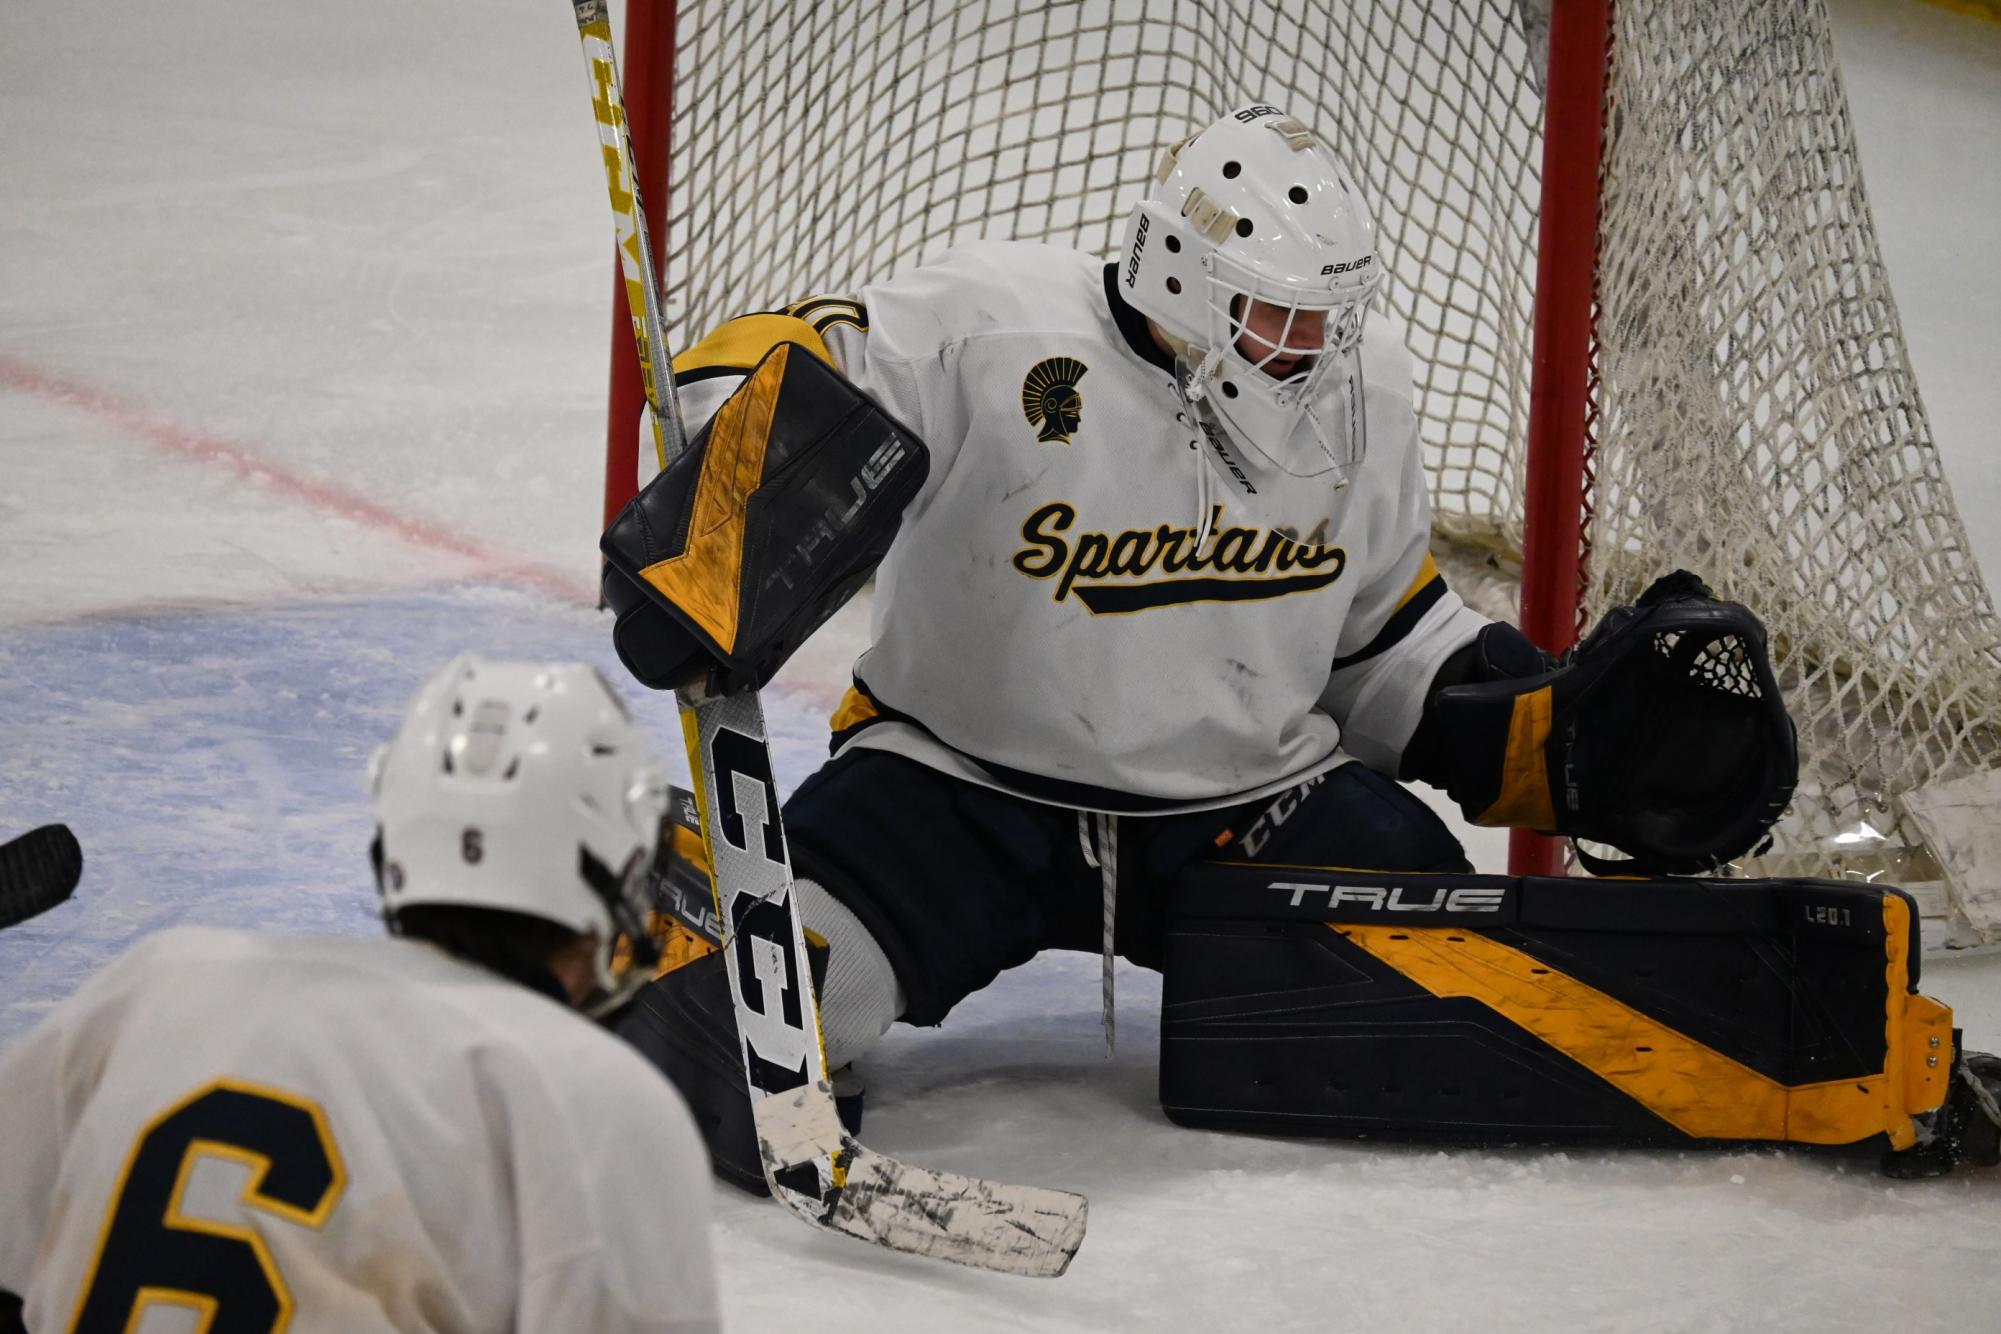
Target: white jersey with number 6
[356,1134]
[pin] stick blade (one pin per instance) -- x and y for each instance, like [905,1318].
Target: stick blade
[1030,1231]
[830,1180]
[38,870]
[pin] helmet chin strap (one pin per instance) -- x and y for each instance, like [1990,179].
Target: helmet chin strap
[1340,471]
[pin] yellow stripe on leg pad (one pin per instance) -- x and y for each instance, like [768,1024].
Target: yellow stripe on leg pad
[1696,1089]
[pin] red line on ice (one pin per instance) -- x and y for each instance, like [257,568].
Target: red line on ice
[323,496]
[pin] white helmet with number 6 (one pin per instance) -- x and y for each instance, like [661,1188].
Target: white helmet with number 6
[1253,253]
[525,787]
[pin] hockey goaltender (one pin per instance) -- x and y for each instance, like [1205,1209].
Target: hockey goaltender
[1157,641]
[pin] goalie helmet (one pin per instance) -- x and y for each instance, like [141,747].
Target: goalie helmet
[1253,254]
[525,787]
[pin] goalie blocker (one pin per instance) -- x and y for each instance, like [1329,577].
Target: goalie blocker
[772,518]
[1489,1009]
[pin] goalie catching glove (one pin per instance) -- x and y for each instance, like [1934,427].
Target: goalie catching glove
[773,517]
[1662,734]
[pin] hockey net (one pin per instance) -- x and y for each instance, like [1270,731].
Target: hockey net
[1752,412]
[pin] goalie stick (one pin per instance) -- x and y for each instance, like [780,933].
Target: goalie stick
[38,870]
[811,1163]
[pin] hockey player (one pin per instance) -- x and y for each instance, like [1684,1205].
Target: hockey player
[412,1133]
[1164,594]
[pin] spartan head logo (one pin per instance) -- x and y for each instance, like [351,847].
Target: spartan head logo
[1049,398]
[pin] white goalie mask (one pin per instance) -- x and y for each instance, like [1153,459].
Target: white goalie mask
[1253,254]
[526,787]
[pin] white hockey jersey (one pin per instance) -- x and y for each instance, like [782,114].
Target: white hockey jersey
[1090,603]
[363,1132]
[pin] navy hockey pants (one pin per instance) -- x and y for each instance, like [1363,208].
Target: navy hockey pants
[959,882]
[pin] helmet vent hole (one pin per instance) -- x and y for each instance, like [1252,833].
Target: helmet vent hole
[1173,245]
[1174,286]
[532,714]
[1297,194]
[458,708]
[1244,226]
[600,748]
[1231,170]
[1229,390]
[513,767]
[448,762]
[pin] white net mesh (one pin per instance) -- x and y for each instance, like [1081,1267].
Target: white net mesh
[1757,420]
[875,137]
[1760,423]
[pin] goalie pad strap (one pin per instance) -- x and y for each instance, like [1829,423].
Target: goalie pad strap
[1494,1009]
[776,513]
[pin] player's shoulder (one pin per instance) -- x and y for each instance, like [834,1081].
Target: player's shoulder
[198,948]
[218,950]
[1006,263]
[212,960]
[166,967]
[990,287]
[494,1015]
[577,1054]
[517,1036]
[593,1080]
[141,967]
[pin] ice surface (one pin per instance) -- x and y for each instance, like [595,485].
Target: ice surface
[303,318]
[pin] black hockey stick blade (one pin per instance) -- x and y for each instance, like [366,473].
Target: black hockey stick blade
[38,870]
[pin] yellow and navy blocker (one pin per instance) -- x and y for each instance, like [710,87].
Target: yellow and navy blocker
[1494,1009]
[774,516]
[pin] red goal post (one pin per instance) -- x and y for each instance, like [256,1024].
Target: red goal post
[647,72]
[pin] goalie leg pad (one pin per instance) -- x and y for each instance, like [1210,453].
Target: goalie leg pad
[1489,1009]
[772,519]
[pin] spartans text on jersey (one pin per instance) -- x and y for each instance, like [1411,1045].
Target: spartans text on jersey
[1107,570]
